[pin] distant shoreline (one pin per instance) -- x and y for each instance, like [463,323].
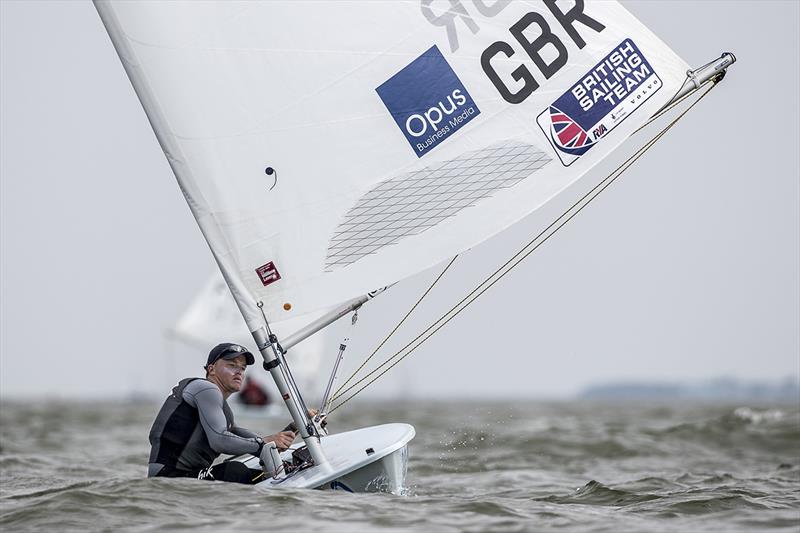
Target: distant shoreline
[720,389]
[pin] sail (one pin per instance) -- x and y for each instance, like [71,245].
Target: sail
[211,318]
[327,148]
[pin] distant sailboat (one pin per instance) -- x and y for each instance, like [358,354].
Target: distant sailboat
[330,149]
[212,317]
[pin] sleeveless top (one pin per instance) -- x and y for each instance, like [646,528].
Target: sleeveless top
[177,438]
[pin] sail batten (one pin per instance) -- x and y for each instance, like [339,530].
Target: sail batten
[395,141]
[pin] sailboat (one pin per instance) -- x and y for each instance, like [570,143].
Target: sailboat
[212,315]
[329,150]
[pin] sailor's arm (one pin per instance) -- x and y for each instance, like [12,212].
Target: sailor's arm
[207,398]
[283,439]
[244,432]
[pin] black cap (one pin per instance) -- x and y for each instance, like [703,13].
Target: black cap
[228,350]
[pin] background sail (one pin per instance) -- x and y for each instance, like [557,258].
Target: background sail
[397,135]
[212,317]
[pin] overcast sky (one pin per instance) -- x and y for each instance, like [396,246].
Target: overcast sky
[687,268]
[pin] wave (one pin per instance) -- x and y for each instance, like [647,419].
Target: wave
[683,501]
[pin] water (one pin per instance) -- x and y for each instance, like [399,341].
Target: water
[474,467]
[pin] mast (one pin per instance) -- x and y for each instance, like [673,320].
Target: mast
[275,364]
[273,351]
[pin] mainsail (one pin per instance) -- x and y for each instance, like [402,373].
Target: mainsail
[327,149]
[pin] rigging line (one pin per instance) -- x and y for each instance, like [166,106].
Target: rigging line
[671,106]
[522,250]
[353,375]
[516,259]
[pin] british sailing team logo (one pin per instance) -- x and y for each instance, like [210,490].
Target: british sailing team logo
[568,134]
[427,101]
[610,92]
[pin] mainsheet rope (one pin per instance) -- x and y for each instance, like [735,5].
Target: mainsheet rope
[342,387]
[517,258]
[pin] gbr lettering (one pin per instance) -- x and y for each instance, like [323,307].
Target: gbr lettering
[534,48]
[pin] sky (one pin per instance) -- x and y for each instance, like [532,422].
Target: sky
[687,268]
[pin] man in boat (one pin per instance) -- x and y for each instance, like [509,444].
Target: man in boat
[195,425]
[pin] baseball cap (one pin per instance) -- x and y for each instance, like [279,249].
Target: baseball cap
[229,350]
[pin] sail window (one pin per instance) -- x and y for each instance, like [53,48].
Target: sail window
[411,203]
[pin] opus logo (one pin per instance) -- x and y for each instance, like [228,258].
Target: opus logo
[427,101]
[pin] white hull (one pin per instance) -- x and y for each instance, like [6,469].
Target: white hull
[372,459]
[387,474]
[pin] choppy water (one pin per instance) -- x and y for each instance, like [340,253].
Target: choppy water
[473,467]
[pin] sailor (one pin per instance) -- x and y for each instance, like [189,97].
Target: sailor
[195,425]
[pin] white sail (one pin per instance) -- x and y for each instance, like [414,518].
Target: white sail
[397,133]
[211,318]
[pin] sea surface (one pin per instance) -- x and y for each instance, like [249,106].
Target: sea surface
[474,466]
